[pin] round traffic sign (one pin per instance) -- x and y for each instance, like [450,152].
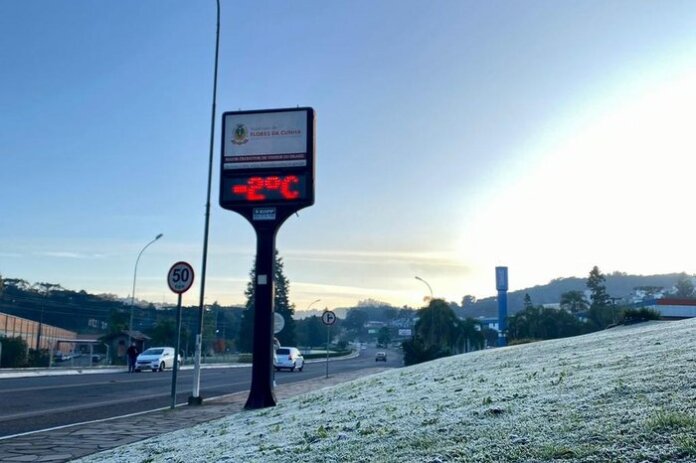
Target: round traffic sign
[328,317]
[180,277]
[278,323]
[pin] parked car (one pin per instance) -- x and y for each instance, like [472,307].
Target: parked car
[61,357]
[288,357]
[156,359]
[381,356]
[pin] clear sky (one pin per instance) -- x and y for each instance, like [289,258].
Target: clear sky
[452,136]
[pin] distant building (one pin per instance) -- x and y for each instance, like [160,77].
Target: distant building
[488,322]
[118,344]
[36,334]
[671,308]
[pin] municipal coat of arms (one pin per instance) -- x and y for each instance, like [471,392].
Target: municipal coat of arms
[241,135]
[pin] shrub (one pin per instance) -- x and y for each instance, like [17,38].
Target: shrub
[514,342]
[38,358]
[639,315]
[14,352]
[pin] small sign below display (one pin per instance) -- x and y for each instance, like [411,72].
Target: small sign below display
[264,213]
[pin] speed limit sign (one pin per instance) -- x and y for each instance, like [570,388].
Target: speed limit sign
[180,277]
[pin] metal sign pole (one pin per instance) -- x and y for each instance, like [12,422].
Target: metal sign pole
[328,318]
[261,394]
[180,278]
[175,368]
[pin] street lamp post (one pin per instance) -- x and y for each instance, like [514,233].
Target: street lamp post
[310,305]
[195,398]
[135,272]
[426,284]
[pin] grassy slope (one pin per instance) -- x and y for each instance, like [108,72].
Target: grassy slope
[625,394]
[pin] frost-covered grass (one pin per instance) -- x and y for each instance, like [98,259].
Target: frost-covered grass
[622,395]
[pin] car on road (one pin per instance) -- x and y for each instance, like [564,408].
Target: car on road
[61,357]
[288,357]
[156,359]
[381,356]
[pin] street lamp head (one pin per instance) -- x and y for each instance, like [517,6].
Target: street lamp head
[159,236]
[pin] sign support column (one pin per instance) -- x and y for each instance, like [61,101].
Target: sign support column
[501,283]
[328,318]
[261,394]
[266,175]
[179,279]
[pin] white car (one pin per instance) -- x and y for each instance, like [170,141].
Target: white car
[288,357]
[156,359]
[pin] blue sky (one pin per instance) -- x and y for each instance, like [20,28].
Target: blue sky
[451,137]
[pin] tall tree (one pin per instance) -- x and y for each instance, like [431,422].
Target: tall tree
[527,301]
[311,332]
[355,321]
[602,311]
[383,336]
[468,300]
[281,300]
[598,290]
[437,326]
[684,286]
[574,302]
[164,333]
[439,333]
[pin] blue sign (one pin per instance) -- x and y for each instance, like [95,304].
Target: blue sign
[501,278]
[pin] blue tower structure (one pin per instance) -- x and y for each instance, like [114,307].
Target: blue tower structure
[501,284]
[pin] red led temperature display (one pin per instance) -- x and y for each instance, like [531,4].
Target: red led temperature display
[264,188]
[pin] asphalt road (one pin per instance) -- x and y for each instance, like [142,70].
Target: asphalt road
[30,404]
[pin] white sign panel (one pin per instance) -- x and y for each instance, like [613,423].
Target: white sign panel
[328,317]
[180,277]
[278,323]
[404,332]
[266,140]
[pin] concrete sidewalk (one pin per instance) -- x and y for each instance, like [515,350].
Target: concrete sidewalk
[74,441]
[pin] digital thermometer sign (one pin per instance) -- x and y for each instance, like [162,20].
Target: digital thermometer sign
[256,189]
[267,161]
[266,176]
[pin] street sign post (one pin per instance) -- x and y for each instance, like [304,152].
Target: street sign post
[501,284]
[266,175]
[179,279]
[328,318]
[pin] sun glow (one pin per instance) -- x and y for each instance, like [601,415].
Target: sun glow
[613,191]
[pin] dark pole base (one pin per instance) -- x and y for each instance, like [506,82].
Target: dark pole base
[260,400]
[195,400]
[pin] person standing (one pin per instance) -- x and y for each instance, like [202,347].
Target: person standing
[132,354]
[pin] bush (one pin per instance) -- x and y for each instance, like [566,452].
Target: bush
[639,315]
[416,352]
[38,358]
[14,352]
[514,342]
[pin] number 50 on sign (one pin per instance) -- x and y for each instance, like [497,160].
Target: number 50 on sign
[180,277]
